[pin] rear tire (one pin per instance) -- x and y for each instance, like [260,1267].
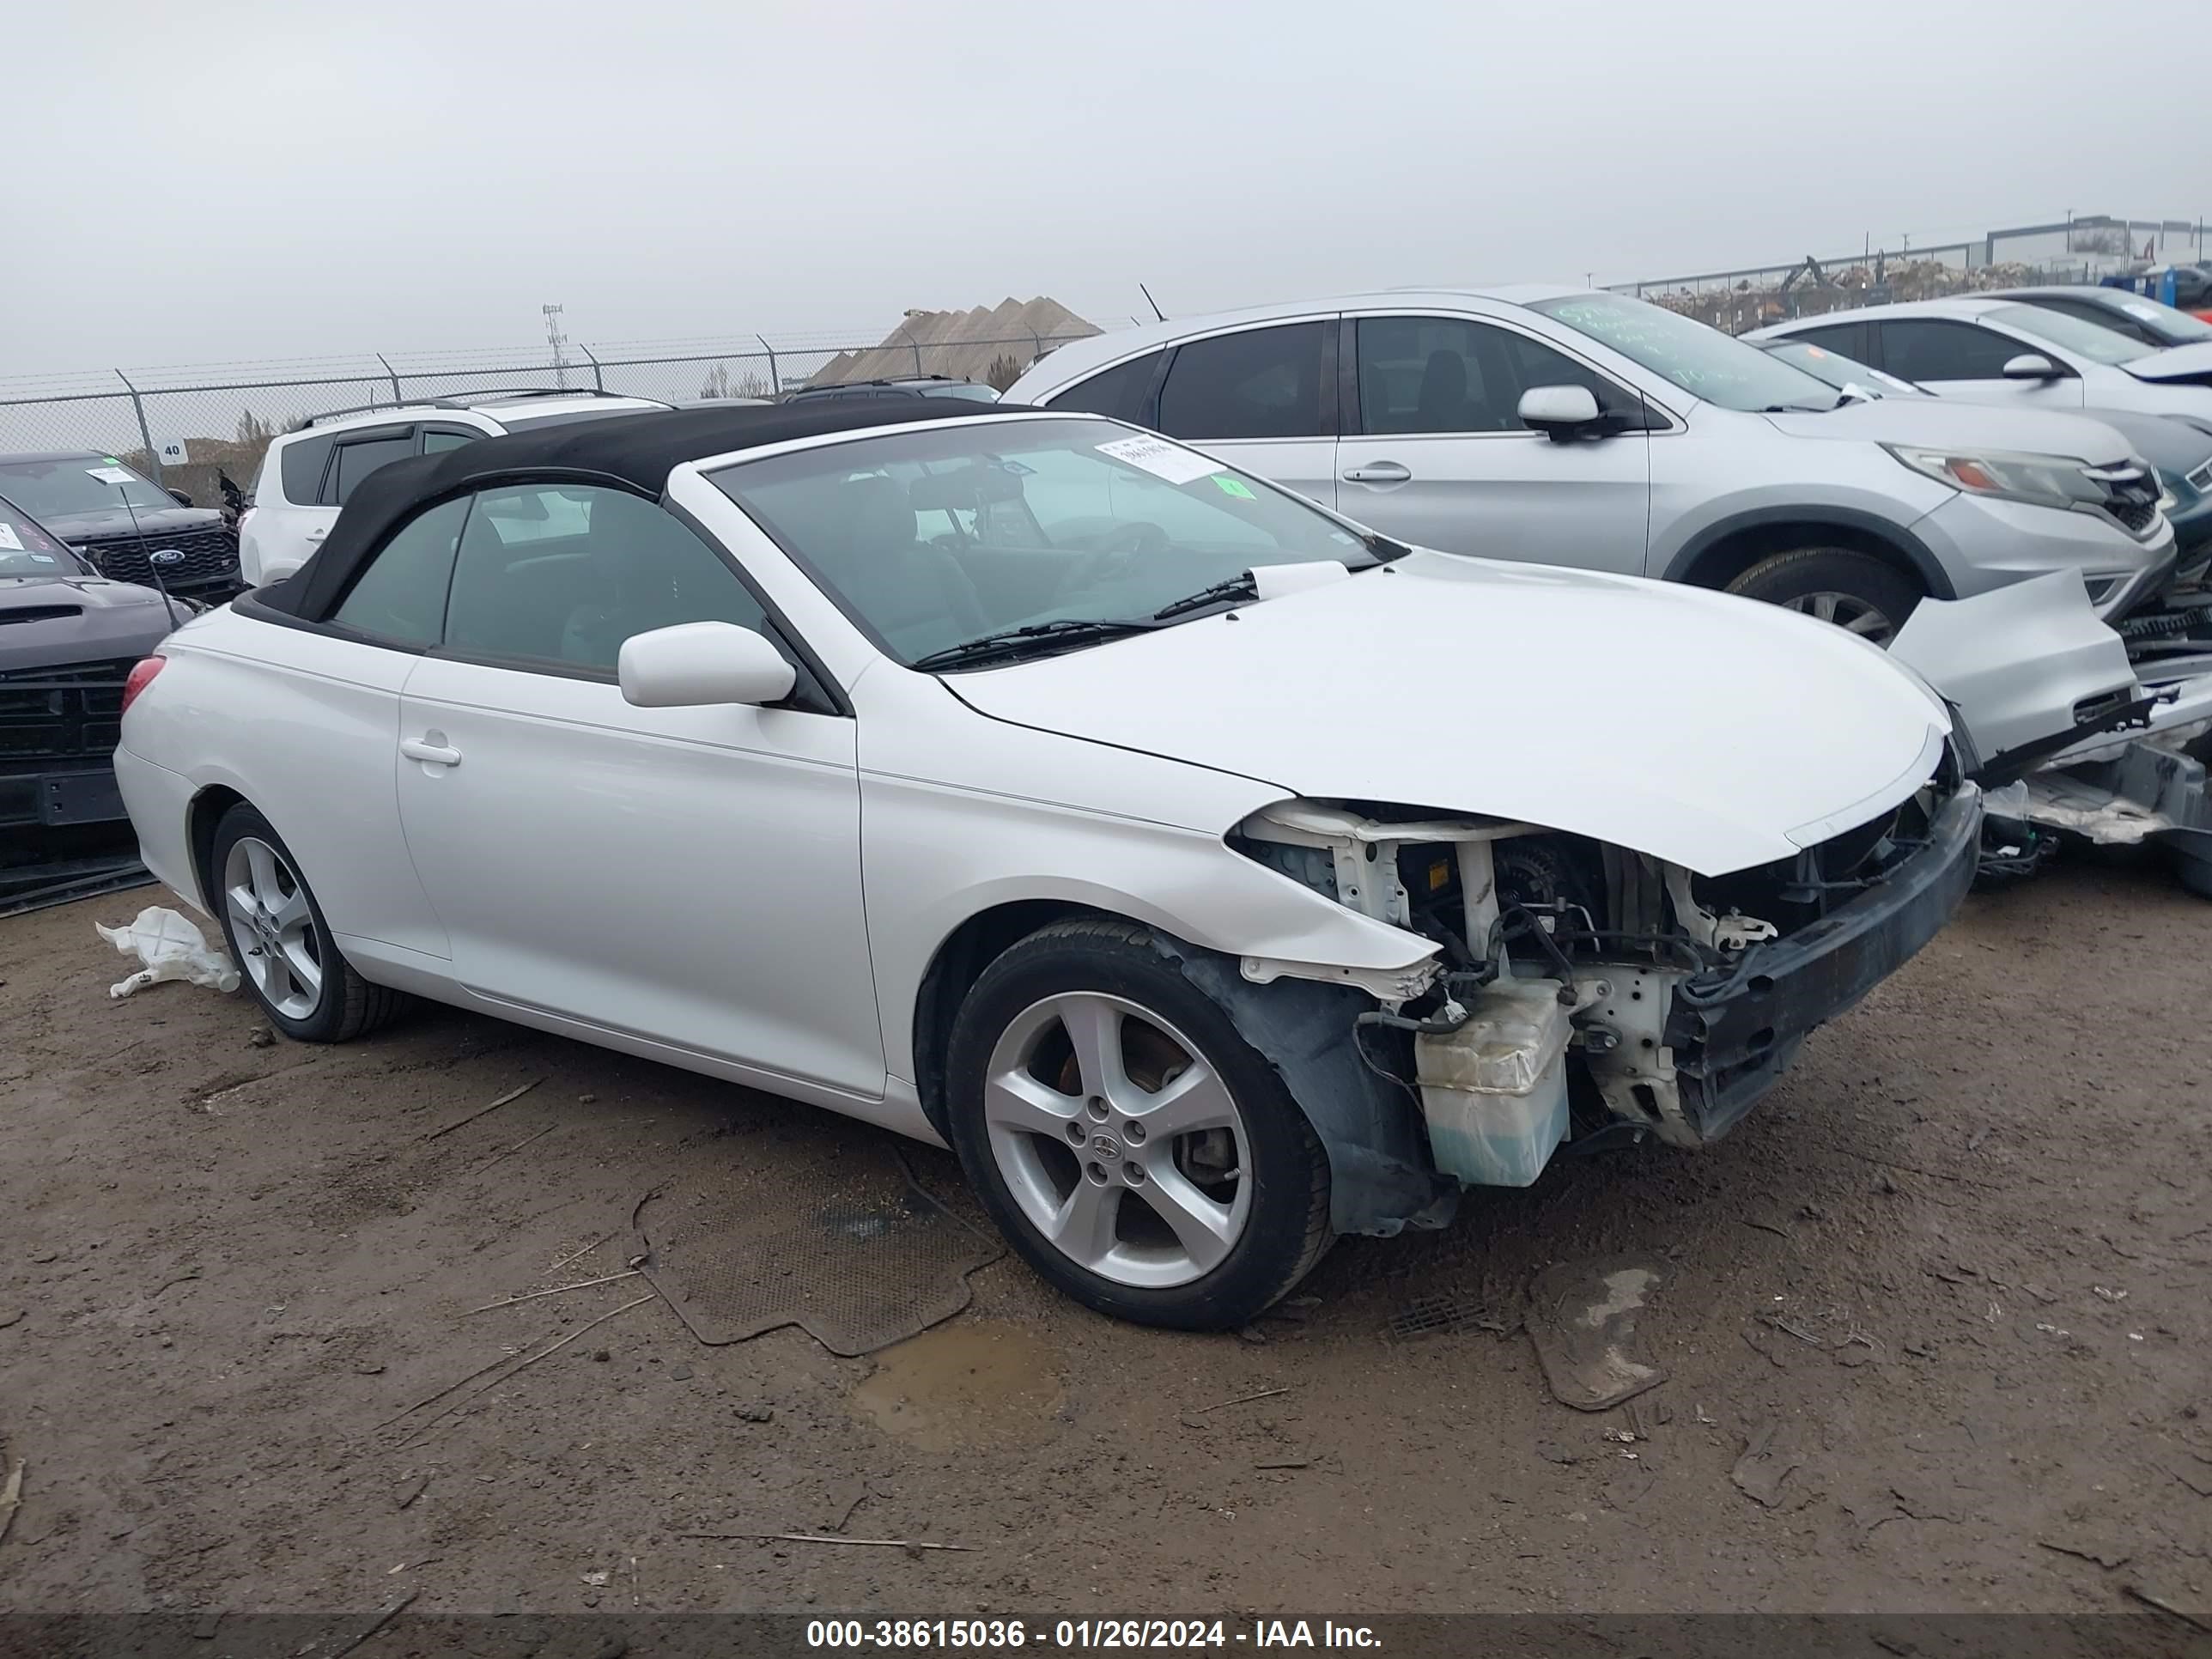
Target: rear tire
[284,948]
[1132,1146]
[1857,591]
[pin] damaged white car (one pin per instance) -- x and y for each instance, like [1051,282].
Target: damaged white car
[1215,877]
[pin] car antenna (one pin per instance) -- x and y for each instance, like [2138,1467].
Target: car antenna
[155,558]
[1150,301]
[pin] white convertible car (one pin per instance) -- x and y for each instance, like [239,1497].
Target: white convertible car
[1214,876]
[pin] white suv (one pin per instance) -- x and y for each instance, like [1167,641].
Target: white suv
[307,474]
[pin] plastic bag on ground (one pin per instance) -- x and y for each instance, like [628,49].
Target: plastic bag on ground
[172,948]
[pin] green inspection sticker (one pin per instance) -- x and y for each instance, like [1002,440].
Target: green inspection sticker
[1233,487]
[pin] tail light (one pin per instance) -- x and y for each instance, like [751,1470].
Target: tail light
[142,675]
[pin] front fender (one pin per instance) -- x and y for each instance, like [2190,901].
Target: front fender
[935,856]
[1691,540]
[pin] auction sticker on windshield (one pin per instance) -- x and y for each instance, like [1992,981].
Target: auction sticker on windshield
[9,541]
[114,475]
[1161,459]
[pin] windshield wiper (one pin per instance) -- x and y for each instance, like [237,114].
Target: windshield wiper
[1244,587]
[1246,584]
[1014,641]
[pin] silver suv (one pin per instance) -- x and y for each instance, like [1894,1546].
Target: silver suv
[1584,428]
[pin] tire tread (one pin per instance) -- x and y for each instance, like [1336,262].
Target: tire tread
[1910,591]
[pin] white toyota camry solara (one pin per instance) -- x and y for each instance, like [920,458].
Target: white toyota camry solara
[1214,876]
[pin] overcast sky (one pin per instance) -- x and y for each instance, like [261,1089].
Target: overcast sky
[197,180]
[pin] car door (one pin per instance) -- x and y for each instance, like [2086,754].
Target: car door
[323,739]
[288,519]
[307,480]
[1262,398]
[1436,454]
[687,875]
[1954,358]
[352,457]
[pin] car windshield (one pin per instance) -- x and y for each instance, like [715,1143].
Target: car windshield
[1839,371]
[1703,362]
[2094,341]
[969,389]
[27,550]
[2174,327]
[936,537]
[80,483]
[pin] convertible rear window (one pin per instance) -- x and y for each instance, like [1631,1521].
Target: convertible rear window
[931,536]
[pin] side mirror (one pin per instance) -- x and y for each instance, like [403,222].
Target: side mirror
[180,498]
[1558,412]
[2032,366]
[694,663]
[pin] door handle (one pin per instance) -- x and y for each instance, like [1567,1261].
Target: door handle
[316,535]
[1378,472]
[435,754]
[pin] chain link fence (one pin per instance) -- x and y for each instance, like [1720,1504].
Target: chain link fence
[185,429]
[2081,250]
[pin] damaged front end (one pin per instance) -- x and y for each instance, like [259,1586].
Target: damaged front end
[1586,986]
[2074,734]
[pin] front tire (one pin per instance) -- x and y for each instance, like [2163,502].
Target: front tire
[1856,592]
[1136,1151]
[283,947]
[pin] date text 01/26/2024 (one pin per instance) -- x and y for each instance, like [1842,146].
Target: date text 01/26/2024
[988,1635]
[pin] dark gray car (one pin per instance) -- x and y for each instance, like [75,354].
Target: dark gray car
[119,519]
[68,638]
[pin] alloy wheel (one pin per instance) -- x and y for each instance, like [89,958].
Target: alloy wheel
[1847,611]
[1121,1145]
[272,927]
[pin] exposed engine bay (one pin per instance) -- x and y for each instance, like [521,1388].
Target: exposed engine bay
[1583,990]
[1587,987]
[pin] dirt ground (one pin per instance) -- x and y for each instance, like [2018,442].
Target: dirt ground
[1935,1319]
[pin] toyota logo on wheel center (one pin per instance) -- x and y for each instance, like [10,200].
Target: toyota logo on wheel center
[1106,1146]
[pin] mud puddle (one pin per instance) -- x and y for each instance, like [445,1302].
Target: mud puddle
[967,1383]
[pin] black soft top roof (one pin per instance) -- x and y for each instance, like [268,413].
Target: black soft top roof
[629,452]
